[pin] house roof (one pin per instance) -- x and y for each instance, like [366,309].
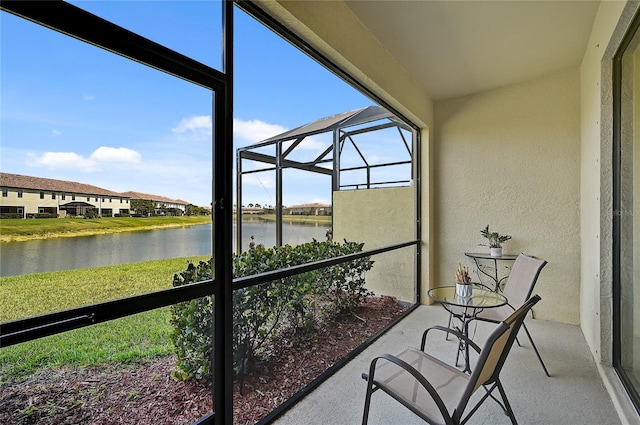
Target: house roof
[19,181]
[151,197]
[311,205]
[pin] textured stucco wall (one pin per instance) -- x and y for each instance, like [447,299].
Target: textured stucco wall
[596,283]
[379,218]
[596,180]
[510,158]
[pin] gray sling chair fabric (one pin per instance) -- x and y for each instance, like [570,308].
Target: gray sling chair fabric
[437,392]
[519,287]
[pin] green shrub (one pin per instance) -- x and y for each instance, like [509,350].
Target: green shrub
[10,215]
[192,323]
[45,215]
[343,284]
[91,213]
[260,312]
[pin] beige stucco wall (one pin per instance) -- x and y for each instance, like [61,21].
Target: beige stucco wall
[390,219]
[596,279]
[596,180]
[510,158]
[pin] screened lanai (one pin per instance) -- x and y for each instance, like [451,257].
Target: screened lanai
[365,148]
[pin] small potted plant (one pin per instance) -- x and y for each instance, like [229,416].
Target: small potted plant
[463,281]
[495,241]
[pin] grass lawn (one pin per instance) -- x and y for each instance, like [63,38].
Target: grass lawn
[129,339]
[21,229]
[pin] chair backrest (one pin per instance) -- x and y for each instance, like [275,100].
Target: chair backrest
[522,279]
[494,353]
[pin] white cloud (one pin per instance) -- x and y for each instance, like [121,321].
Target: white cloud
[88,97]
[313,143]
[61,160]
[119,155]
[55,132]
[74,161]
[199,124]
[254,131]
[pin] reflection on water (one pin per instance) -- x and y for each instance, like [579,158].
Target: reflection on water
[118,248]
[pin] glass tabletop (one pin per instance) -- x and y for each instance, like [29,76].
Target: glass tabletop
[488,256]
[480,297]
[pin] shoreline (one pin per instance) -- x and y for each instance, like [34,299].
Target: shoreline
[314,219]
[7,237]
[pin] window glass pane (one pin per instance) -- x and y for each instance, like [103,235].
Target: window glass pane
[130,144]
[297,92]
[191,27]
[114,372]
[288,332]
[629,217]
[21,295]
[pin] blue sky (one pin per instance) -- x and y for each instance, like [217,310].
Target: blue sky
[71,111]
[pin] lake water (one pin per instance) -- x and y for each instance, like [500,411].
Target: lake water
[104,250]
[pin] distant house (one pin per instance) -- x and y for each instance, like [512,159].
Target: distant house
[162,204]
[27,196]
[250,210]
[308,209]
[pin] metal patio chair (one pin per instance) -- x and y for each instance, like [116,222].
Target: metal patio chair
[519,287]
[437,392]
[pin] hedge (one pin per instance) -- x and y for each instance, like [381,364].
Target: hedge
[11,215]
[261,312]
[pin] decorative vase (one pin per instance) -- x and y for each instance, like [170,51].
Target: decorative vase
[463,290]
[496,252]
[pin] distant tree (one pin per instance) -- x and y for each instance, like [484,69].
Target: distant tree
[250,205]
[142,206]
[195,210]
[91,213]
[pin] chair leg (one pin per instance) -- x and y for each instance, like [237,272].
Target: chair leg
[367,402]
[535,349]
[506,403]
[449,326]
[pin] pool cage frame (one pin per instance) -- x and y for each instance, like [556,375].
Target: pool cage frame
[344,127]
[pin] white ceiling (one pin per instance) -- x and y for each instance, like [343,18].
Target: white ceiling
[455,48]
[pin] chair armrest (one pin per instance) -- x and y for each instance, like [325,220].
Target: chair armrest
[454,332]
[414,373]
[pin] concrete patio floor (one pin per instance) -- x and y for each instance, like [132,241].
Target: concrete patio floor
[574,394]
